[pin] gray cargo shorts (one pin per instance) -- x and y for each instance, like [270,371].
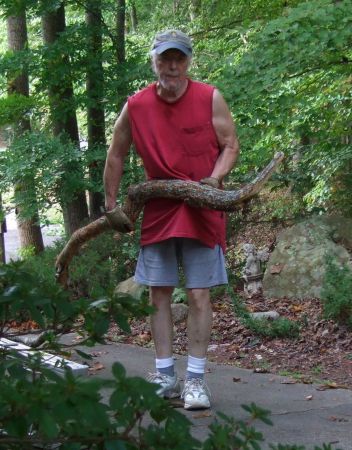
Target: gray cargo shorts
[203,267]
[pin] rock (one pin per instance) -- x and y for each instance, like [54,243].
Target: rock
[130,287]
[271,315]
[179,312]
[297,266]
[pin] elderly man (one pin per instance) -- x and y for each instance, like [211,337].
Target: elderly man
[182,129]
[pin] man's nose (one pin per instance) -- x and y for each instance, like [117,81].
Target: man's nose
[173,64]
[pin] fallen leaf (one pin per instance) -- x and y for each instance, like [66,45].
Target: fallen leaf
[260,370]
[96,366]
[176,402]
[337,419]
[331,385]
[297,308]
[276,268]
[203,414]
[309,397]
[289,382]
[96,354]
[236,380]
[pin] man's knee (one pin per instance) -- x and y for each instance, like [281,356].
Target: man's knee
[160,295]
[199,299]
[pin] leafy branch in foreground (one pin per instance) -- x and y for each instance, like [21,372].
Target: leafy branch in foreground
[39,408]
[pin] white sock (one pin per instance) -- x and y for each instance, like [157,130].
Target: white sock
[165,365]
[195,367]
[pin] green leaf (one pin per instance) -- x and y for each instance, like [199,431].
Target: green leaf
[118,371]
[83,354]
[115,445]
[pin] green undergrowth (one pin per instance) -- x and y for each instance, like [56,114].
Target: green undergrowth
[337,293]
[39,408]
[263,327]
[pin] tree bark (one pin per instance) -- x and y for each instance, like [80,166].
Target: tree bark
[63,111]
[133,16]
[95,109]
[2,232]
[191,192]
[120,31]
[27,223]
[194,8]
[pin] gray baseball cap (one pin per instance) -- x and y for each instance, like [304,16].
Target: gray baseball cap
[172,39]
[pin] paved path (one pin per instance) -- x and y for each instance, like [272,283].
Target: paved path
[301,413]
[12,242]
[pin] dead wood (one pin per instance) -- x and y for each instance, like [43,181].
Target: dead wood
[191,192]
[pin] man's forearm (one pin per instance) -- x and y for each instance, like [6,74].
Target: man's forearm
[112,178]
[225,162]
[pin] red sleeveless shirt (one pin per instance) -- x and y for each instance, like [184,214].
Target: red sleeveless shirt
[177,141]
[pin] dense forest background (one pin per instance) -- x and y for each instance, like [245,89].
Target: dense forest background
[67,67]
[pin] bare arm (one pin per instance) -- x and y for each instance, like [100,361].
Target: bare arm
[119,147]
[226,135]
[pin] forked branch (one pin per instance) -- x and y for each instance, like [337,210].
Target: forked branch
[191,192]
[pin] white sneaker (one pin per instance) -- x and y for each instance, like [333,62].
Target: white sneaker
[196,394]
[169,386]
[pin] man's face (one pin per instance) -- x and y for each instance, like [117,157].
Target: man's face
[171,68]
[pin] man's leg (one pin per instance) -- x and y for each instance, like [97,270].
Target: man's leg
[161,320]
[200,318]
[204,267]
[162,332]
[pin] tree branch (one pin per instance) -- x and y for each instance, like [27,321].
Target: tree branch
[193,193]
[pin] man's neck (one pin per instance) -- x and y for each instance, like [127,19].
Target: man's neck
[171,96]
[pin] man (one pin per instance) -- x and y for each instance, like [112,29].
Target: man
[182,129]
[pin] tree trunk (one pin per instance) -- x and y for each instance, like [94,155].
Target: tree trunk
[133,16]
[63,111]
[194,8]
[120,30]
[2,232]
[193,193]
[95,109]
[28,223]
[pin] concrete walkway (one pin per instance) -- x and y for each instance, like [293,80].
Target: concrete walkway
[301,413]
[12,242]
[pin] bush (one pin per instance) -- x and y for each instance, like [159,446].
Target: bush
[278,328]
[101,264]
[336,293]
[38,408]
[281,327]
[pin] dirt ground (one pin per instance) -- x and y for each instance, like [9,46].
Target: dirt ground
[321,353]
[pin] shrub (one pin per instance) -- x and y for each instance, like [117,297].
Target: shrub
[38,408]
[336,293]
[281,327]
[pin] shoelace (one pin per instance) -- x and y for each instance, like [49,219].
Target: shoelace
[195,384]
[156,377]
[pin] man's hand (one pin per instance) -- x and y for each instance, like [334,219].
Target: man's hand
[118,220]
[211,181]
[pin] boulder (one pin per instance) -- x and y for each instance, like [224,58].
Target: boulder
[297,266]
[270,315]
[179,312]
[130,287]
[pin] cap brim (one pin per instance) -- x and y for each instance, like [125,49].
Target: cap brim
[168,45]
